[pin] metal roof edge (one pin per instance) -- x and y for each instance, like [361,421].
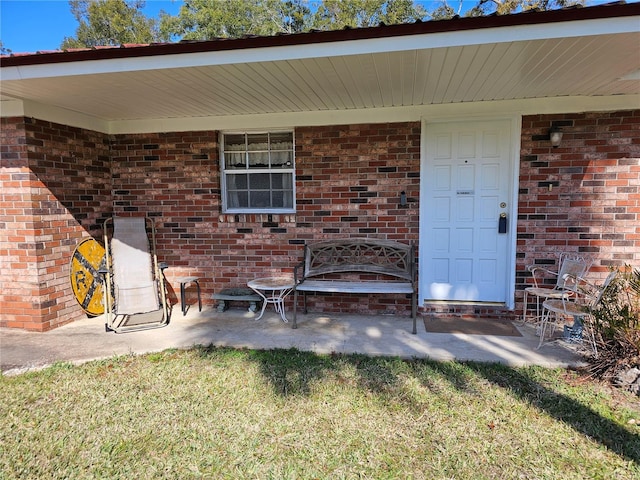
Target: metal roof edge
[458,24]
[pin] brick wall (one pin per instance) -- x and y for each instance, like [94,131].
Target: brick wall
[54,188]
[583,196]
[58,184]
[174,179]
[348,181]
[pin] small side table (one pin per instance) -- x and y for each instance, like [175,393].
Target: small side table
[273,290]
[184,282]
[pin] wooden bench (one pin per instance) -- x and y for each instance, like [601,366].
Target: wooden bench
[359,266]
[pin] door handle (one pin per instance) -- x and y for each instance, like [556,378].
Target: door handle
[502,223]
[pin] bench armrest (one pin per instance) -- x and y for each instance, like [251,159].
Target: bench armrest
[296,277]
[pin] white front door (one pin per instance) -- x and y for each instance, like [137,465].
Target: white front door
[466,187]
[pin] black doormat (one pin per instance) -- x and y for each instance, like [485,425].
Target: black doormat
[471,326]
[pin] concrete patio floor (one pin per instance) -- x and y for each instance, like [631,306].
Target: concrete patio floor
[86,340]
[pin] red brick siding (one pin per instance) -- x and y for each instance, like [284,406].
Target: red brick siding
[55,186]
[58,184]
[174,179]
[349,180]
[593,206]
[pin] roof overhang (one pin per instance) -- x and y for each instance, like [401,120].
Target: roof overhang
[574,59]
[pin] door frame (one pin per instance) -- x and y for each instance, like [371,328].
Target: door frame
[515,123]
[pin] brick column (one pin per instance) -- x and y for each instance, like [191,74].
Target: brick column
[54,187]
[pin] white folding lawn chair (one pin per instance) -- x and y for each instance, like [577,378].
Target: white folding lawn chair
[135,294]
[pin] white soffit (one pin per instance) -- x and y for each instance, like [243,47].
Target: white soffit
[520,68]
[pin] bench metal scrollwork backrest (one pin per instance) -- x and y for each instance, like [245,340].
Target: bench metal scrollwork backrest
[384,257]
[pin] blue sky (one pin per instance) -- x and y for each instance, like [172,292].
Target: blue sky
[32,25]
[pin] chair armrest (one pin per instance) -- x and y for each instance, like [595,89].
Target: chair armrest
[534,268]
[583,291]
[587,288]
[537,268]
[163,266]
[572,282]
[103,272]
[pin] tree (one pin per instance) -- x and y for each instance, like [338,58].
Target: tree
[505,7]
[445,11]
[116,22]
[3,50]
[209,19]
[336,14]
[111,22]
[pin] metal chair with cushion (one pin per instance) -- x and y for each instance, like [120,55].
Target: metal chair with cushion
[571,267]
[579,306]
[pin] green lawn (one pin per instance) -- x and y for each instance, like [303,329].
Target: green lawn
[223,413]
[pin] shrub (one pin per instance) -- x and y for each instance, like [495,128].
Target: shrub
[617,327]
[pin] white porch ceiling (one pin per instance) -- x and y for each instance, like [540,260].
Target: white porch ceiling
[416,74]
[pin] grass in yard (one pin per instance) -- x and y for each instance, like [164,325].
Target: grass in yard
[223,413]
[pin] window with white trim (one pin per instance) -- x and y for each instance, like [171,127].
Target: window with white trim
[257,172]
